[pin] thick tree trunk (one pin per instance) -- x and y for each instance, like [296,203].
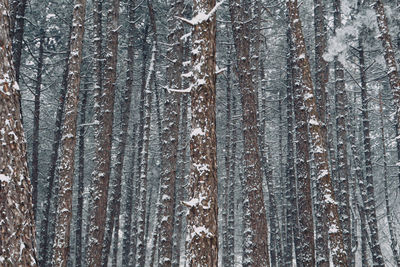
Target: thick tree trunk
[308,114]
[202,225]
[64,211]
[17,225]
[256,232]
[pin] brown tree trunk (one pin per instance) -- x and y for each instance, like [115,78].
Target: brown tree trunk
[256,232]
[321,80]
[64,211]
[308,114]
[18,34]
[170,134]
[202,225]
[17,225]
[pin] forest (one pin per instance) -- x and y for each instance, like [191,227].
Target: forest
[199,133]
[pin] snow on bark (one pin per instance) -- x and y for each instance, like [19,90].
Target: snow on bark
[66,172]
[17,225]
[202,236]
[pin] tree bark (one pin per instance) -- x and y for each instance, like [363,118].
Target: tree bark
[18,34]
[17,225]
[256,232]
[307,114]
[64,211]
[202,225]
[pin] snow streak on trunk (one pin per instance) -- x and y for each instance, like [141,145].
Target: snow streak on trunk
[256,232]
[17,225]
[202,239]
[64,210]
[307,113]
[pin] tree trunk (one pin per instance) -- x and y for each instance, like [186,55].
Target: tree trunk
[368,190]
[308,114]
[114,202]
[18,34]
[202,216]
[36,121]
[64,211]
[321,80]
[17,225]
[47,224]
[81,176]
[256,232]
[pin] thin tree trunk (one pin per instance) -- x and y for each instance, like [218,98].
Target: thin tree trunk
[17,225]
[368,189]
[81,176]
[114,202]
[36,121]
[18,34]
[47,224]
[393,241]
[321,80]
[64,207]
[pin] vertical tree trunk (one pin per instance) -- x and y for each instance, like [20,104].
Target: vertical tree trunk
[342,165]
[47,224]
[393,241]
[101,174]
[180,183]
[36,121]
[81,176]
[114,202]
[170,135]
[18,34]
[202,225]
[141,221]
[64,211]
[307,113]
[368,191]
[256,233]
[321,79]
[17,225]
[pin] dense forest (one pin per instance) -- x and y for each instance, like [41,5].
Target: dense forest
[199,133]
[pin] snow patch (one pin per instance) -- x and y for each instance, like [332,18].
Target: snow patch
[5,178]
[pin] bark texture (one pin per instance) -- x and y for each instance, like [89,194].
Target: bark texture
[64,211]
[202,240]
[17,225]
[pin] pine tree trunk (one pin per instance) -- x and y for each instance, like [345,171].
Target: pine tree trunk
[17,225]
[393,241]
[202,216]
[64,207]
[170,135]
[81,176]
[368,191]
[18,34]
[306,111]
[47,224]
[321,80]
[36,121]
[256,232]
[114,202]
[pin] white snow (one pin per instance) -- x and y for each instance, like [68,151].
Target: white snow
[197,131]
[5,178]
